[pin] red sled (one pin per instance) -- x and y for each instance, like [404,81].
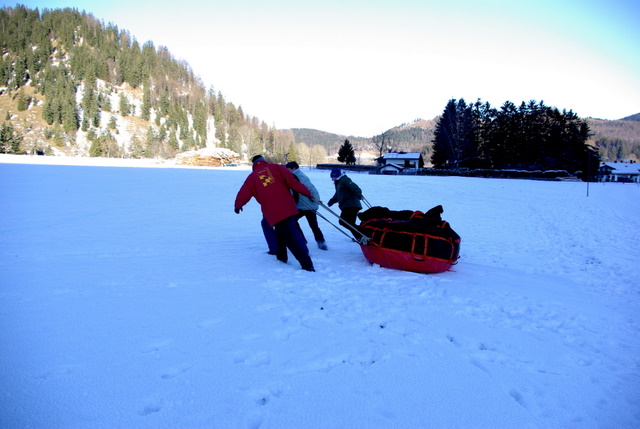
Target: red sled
[409,240]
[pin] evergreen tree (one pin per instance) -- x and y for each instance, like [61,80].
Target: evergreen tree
[70,117]
[48,112]
[200,120]
[234,142]
[455,141]
[136,149]
[444,145]
[173,141]
[105,103]
[10,140]
[125,107]
[23,101]
[151,144]
[146,103]
[96,149]
[346,153]
[90,107]
[292,154]
[21,73]
[112,125]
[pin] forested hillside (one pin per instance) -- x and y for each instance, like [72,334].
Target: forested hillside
[616,140]
[635,117]
[69,83]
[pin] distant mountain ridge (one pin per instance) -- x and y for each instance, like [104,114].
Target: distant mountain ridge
[412,137]
[635,117]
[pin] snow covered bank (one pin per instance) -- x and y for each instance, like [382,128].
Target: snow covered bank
[95,161]
[135,297]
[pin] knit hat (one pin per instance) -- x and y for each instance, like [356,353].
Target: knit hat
[293,165]
[257,158]
[335,173]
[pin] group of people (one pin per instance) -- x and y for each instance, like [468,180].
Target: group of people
[285,195]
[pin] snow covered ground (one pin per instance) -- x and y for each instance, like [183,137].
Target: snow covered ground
[137,298]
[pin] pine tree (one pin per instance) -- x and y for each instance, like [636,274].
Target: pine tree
[146,103]
[48,112]
[292,154]
[90,107]
[173,141]
[136,149]
[70,117]
[23,101]
[125,107]
[9,140]
[346,153]
[96,149]
[454,143]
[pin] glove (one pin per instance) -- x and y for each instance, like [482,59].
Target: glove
[330,203]
[238,210]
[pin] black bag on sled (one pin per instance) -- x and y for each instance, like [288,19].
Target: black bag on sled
[409,240]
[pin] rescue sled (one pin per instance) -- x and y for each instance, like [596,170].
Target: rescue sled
[409,240]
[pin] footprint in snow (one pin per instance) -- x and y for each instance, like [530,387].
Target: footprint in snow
[174,372]
[156,346]
[151,408]
[257,359]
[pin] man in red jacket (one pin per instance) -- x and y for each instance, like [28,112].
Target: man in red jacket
[270,185]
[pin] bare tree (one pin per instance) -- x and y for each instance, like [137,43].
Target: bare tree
[383,142]
[304,154]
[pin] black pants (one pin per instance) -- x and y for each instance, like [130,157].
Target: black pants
[312,218]
[289,237]
[349,216]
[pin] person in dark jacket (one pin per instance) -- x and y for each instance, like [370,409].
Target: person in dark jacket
[348,196]
[306,206]
[271,185]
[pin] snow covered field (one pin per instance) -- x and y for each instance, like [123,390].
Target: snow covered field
[137,298]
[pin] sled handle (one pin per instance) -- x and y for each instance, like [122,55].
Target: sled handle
[363,238]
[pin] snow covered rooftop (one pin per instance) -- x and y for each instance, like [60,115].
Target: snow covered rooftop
[401,155]
[624,167]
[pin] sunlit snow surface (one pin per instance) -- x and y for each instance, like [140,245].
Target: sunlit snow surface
[136,298]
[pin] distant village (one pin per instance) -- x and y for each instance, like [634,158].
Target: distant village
[412,163]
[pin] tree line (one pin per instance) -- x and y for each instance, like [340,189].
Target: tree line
[62,52]
[531,136]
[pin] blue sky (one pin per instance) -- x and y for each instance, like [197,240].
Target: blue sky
[361,67]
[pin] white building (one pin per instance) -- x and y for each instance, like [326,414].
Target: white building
[620,172]
[397,162]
